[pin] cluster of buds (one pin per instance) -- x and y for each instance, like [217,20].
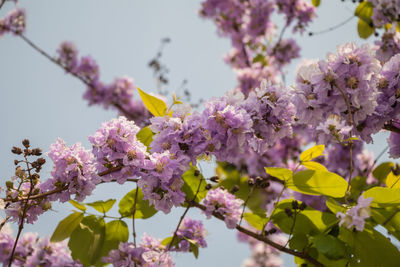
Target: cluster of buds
[296,207]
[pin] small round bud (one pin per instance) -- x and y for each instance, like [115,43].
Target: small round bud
[265,184]
[9,184]
[295,204]
[259,180]
[27,152]
[16,150]
[214,179]
[303,206]
[208,186]
[234,189]
[26,143]
[36,152]
[251,181]
[288,212]
[196,173]
[310,34]
[16,162]
[41,161]
[272,231]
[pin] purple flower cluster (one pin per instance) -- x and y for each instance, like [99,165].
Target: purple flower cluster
[299,11]
[14,22]
[324,90]
[35,207]
[272,113]
[221,201]
[191,229]
[32,251]
[388,46]
[73,172]
[150,253]
[118,94]
[356,215]
[385,12]
[250,27]
[115,145]
[394,145]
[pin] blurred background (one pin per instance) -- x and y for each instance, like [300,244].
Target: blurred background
[40,102]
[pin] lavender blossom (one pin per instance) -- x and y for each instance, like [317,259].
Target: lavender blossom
[356,215]
[191,229]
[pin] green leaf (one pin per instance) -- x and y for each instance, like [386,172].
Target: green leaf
[255,220]
[194,247]
[87,240]
[298,241]
[364,10]
[312,182]
[330,246]
[312,153]
[260,58]
[312,165]
[316,3]
[382,171]
[308,221]
[156,106]
[191,183]
[383,196]
[77,205]
[66,227]
[393,225]
[370,248]
[102,206]
[334,206]
[280,173]
[143,208]
[116,232]
[145,135]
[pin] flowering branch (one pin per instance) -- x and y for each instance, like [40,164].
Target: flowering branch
[261,238]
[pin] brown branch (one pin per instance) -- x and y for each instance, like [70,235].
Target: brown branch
[2,3]
[133,216]
[392,128]
[262,238]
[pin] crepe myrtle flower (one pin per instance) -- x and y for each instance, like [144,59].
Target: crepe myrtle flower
[356,215]
[191,229]
[74,171]
[221,201]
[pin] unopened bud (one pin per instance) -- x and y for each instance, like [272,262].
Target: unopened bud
[303,206]
[16,150]
[196,173]
[234,189]
[251,182]
[288,212]
[41,161]
[36,152]
[295,204]
[26,143]
[208,186]
[214,179]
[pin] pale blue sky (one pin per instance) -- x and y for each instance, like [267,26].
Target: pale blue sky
[40,102]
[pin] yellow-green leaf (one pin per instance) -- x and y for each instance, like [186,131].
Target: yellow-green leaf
[364,29]
[383,196]
[316,3]
[280,173]
[312,165]
[382,171]
[156,106]
[145,135]
[311,182]
[393,181]
[77,205]
[312,153]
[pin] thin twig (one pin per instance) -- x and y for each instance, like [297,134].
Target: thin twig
[292,228]
[245,203]
[133,216]
[390,217]
[82,79]
[333,27]
[273,211]
[21,224]
[2,3]
[347,101]
[183,215]
[262,238]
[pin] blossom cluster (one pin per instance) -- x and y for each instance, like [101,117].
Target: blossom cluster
[250,27]
[222,202]
[32,251]
[118,94]
[385,12]
[192,230]
[339,95]
[73,172]
[149,253]
[388,45]
[14,22]
[356,215]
